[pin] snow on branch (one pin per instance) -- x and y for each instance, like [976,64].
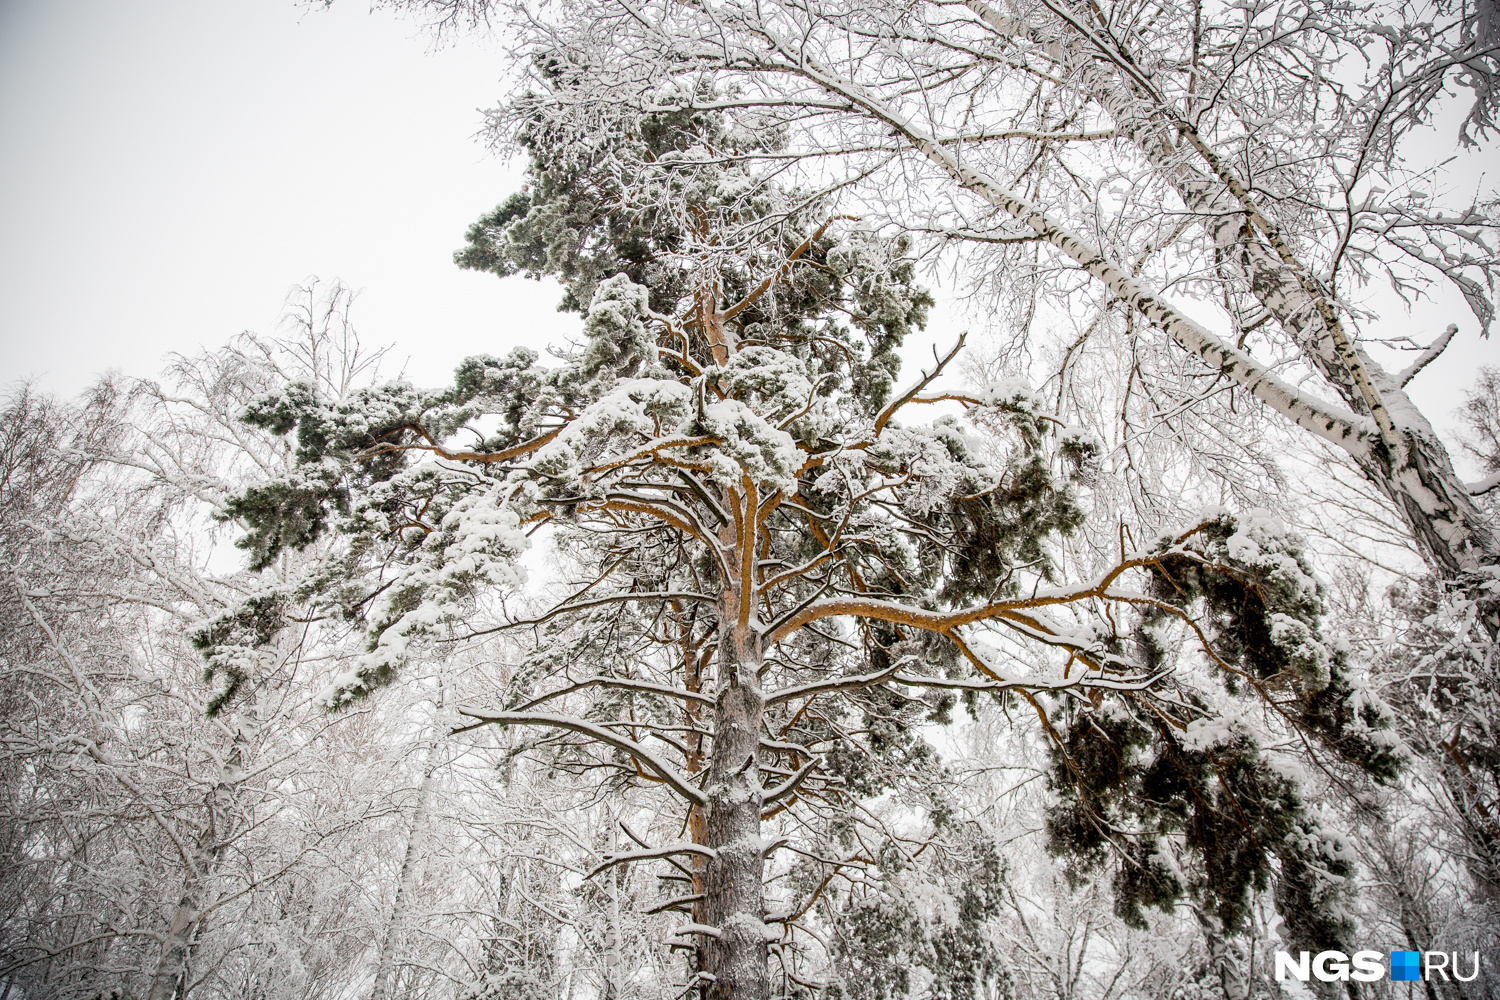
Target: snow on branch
[1427,357]
[595,602]
[852,683]
[668,774]
[1332,423]
[1082,680]
[791,784]
[921,383]
[1484,485]
[618,684]
[651,854]
[703,929]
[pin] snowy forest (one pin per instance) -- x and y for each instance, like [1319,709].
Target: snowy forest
[736,649]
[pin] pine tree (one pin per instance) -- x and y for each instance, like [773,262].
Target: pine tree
[784,582]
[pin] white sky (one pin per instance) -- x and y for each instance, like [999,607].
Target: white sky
[169,169]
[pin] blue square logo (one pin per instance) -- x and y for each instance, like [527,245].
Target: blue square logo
[1406,966]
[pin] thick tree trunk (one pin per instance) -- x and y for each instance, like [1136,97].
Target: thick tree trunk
[734,955]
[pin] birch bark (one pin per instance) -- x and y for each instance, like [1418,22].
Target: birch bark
[1405,459]
[1384,434]
[410,865]
[169,980]
[612,963]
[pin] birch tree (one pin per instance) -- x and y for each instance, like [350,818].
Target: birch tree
[1249,160]
[164,837]
[781,580]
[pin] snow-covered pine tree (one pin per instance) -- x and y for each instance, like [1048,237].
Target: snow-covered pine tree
[1154,150]
[785,582]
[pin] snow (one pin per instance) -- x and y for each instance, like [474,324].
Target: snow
[1212,731]
[703,929]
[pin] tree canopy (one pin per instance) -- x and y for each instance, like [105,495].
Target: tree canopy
[779,582]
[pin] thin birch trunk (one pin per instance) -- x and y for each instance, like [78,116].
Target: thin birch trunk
[169,980]
[410,864]
[612,962]
[1404,459]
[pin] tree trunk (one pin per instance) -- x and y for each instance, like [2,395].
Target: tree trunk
[1226,959]
[169,981]
[612,963]
[695,663]
[734,955]
[1405,460]
[409,865]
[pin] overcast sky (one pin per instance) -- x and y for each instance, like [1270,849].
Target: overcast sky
[169,169]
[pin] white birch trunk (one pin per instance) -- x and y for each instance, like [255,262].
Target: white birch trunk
[169,979]
[612,963]
[1404,458]
[1393,446]
[411,864]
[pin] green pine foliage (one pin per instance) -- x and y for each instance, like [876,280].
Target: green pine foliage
[738,341]
[927,923]
[1191,807]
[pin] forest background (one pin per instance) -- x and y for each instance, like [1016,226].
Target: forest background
[349,876]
